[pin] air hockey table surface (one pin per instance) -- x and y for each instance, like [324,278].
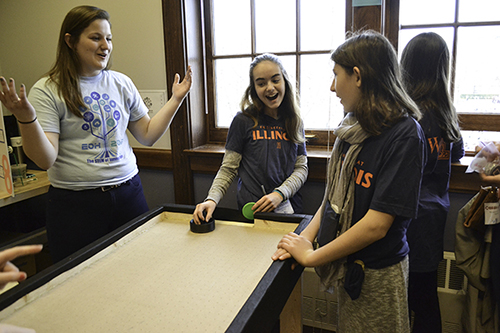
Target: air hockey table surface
[155,275]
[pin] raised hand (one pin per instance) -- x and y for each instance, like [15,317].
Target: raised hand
[18,105]
[180,90]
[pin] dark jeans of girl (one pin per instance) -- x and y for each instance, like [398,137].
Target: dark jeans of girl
[77,218]
[423,301]
[495,265]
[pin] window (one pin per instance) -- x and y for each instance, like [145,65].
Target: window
[471,29]
[302,32]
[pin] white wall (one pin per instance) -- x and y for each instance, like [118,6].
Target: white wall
[29,31]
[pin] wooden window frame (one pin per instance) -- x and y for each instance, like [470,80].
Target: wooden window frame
[468,121]
[197,148]
[218,135]
[384,18]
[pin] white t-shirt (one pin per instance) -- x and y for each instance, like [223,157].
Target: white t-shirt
[94,150]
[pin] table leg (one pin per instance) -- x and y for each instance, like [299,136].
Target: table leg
[291,315]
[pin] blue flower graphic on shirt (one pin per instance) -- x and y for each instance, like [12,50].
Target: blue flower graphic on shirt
[101,119]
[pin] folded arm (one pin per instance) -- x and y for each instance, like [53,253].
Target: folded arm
[372,227]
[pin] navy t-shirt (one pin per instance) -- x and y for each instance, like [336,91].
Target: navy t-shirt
[388,174]
[268,156]
[426,233]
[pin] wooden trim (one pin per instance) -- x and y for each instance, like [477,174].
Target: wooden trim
[348,15]
[196,58]
[367,17]
[176,57]
[464,182]
[317,165]
[214,133]
[154,158]
[479,122]
[208,158]
[391,21]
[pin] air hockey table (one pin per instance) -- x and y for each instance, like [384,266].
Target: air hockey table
[155,275]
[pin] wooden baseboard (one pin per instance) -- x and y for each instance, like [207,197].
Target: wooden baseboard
[208,158]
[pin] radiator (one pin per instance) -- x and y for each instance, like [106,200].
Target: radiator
[452,285]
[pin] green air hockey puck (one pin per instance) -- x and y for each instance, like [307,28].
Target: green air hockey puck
[247,210]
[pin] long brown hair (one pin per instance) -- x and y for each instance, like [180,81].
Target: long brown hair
[65,71]
[252,106]
[425,63]
[383,100]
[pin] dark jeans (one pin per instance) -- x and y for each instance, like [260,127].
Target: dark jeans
[77,218]
[495,264]
[423,301]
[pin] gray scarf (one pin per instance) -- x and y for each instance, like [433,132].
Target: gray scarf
[340,189]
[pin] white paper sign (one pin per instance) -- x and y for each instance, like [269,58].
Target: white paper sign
[491,213]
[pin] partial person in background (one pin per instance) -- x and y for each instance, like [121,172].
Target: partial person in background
[265,146]
[74,125]
[425,63]
[494,180]
[10,273]
[372,191]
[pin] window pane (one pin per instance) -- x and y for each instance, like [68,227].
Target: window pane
[426,11]
[320,108]
[290,65]
[477,87]
[406,35]
[232,29]
[275,25]
[479,11]
[474,138]
[231,80]
[322,24]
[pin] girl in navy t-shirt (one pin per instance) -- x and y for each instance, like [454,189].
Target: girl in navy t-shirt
[425,64]
[372,192]
[265,146]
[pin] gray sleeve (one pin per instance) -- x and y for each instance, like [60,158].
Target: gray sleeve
[298,177]
[225,176]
